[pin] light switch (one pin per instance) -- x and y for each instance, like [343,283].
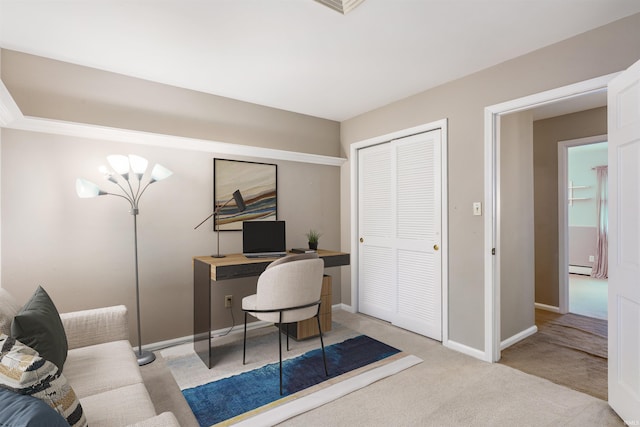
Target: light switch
[477,208]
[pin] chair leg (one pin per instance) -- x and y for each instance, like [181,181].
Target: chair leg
[324,356]
[244,343]
[280,353]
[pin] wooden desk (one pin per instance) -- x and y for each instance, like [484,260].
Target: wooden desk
[207,269]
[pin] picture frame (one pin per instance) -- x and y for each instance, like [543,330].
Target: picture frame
[258,184]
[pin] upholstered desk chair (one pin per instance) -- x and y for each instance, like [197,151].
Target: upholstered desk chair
[288,291]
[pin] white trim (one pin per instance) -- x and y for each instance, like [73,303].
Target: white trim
[491,270]
[464,349]
[518,337]
[438,124]
[547,307]
[342,306]
[492,115]
[236,329]
[444,225]
[11,117]
[9,110]
[353,162]
[563,216]
[355,247]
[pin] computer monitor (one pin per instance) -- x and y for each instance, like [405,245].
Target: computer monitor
[263,239]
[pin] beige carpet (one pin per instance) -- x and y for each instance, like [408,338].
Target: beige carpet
[447,389]
[568,349]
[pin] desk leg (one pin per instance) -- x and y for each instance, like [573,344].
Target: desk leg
[202,311]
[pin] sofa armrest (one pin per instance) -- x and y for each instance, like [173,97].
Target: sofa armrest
[166,419]
[95,326]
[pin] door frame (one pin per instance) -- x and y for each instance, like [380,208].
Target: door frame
[355,247]
[492,115]
[563,214]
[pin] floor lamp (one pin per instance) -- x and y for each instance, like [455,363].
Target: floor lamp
[125,167]
[237,196]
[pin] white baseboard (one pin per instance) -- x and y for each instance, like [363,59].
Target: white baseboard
[547,307]
[518,337]
[160,345]
[469,351]
[237,329]
[344,307]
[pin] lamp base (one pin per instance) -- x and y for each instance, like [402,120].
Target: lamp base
[145,357]
[218,256]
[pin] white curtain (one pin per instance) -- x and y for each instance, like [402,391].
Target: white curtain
[600,265]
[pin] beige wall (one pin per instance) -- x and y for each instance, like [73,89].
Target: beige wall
[516,224]
[81,250]
[546,134]
[58,90]
[599,52]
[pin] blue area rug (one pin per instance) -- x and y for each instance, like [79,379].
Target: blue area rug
[229,397]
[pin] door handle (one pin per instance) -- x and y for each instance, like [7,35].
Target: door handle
[436,247]
[361,240]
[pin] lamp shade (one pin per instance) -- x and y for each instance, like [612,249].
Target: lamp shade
[159,172]
[87,189]
[138,164]
[119,163]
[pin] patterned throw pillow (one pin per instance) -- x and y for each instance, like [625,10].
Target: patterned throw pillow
[23,371]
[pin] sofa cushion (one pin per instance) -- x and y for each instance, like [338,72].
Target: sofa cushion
[23,371]
[19,410]
[9,307]
[97,368]
[38,326]
[119,407]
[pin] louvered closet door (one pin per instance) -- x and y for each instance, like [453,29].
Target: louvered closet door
[400,229]
[376,296]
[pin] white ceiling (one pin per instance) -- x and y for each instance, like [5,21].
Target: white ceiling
[298,55]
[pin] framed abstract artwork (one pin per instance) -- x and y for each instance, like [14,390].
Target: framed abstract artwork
[258,183]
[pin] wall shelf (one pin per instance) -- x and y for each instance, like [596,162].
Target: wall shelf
[577,187]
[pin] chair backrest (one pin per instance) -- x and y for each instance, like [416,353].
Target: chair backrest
[293,257]
[289,284]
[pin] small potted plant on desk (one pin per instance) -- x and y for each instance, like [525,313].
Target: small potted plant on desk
[313,236]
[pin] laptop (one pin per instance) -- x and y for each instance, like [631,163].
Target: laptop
[263,239]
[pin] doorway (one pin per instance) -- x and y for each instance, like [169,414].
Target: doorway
[582,221]
[552,334]
[624,133]
[553,98]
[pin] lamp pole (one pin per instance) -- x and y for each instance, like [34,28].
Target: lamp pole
[123,165]
[144,357]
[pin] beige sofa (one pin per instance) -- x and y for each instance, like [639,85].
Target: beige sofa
[102,369]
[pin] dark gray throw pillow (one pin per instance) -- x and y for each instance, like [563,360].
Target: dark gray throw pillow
[38,326]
